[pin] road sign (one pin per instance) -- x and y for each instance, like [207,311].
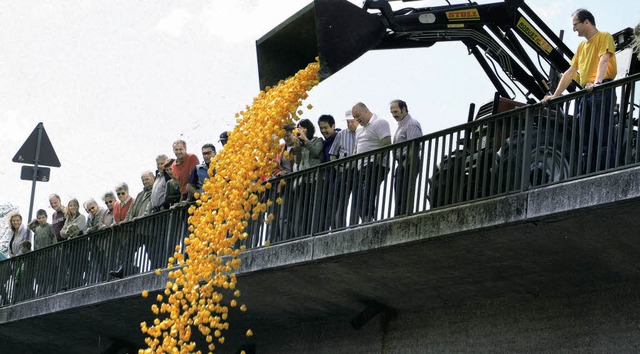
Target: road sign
[37,150]
[28,151]
[41,176]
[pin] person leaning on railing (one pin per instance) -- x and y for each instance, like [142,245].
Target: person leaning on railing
[595,62]
[172,194]
[19,235]
[57,218]
[373,133]
[109,200]
[75,223]
[408,160]
[343,146]
[42,230]
[95,221]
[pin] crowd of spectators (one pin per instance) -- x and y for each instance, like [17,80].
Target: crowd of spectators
[176,181]
[352,185]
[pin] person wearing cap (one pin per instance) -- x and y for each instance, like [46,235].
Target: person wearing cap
[408,161]
[343,146]
[224,137]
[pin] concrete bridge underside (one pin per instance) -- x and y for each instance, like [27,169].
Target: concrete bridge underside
[552,269]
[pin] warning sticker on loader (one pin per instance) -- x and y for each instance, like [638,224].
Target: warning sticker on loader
[463,15]
[528,30]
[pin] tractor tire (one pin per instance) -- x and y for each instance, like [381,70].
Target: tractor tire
[441,184]
[549,161]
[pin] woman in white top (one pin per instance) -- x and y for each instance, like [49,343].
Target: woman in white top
[19,235]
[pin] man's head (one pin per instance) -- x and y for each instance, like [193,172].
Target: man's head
[41,216]
[361,113]
[398,109]
[56,203]
[208,151]
[109,200]
[584,23]
[224,137]
[167,167]
[327,125]
[352,123]
[91,207]
[180,149]
[288,134]
[147,179]
[122,191]
[160,161]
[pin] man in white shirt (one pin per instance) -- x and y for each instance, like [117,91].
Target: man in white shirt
[373,133]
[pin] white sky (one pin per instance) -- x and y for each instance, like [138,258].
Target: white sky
[116,82]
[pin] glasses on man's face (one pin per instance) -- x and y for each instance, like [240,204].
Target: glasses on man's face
[577,23]
[110,201]
[122,193]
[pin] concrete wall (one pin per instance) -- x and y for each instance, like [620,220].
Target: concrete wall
[600,322]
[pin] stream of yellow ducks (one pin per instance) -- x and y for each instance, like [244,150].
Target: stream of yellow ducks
[193,299]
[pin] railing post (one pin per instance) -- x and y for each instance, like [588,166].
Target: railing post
[526,153]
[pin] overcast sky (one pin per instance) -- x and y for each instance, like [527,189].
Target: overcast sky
[116,82]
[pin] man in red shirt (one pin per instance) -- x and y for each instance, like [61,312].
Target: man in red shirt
[183,165]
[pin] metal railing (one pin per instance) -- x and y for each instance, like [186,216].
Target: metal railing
[138,246]
[577,135]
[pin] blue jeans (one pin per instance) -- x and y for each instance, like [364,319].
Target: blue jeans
[596,133]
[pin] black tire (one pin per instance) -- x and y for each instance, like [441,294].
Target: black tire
[549,161]
[441,184]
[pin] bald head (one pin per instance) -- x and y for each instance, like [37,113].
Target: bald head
[147,179]
[361,113]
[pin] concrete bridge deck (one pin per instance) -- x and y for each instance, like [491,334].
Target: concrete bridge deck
[555,268]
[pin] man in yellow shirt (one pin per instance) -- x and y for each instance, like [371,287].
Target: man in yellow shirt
[593,64]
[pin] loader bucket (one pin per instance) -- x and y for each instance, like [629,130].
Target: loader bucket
[337,31]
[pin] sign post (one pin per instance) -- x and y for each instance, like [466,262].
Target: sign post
[36,150]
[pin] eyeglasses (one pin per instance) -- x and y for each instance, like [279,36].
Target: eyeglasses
[576,23]
[122,193]
[110,201]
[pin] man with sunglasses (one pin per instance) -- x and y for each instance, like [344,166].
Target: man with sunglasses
[110,201]
[96,217]
[122,207]
[200,172]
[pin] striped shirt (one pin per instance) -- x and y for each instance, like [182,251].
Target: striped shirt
[408,129]
[344,144]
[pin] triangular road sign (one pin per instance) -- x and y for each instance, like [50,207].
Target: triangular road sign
[27,153]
